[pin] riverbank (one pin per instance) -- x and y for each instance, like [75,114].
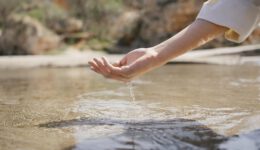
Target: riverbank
[219,56]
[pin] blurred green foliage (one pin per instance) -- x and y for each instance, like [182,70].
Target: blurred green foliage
[98,44]
[6,8]
[45,11]
[95,9]
[97,14]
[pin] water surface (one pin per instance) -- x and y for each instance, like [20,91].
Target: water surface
[176,107]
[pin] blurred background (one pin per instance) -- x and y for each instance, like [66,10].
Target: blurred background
[31,27]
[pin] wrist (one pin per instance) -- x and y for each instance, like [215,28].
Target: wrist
[154,55]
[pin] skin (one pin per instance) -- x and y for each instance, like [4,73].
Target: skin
[143,60]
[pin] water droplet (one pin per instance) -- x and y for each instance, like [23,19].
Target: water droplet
[130,86]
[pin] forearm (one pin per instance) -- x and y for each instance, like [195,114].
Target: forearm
[195,35]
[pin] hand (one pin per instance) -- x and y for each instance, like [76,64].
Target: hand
[121,70]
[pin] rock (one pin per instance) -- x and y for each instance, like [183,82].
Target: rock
[65,25]
[166,18]
[126,27]
[25,35]
[154,21]
[159,20]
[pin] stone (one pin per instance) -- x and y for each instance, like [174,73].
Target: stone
[25,35]
[161,19]
[65,25]
[126,27]
[154,21]
[166,18]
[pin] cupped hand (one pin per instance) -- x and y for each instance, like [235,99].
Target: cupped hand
[121,70]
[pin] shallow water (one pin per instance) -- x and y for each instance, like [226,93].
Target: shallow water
[175,107]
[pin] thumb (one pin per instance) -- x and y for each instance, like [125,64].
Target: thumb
[123,61]
[114,69]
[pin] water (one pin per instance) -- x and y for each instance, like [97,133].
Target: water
[131,91]
[174,107]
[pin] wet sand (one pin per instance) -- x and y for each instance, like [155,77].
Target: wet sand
[219,56]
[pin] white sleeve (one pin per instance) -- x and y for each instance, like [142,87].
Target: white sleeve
[240,16]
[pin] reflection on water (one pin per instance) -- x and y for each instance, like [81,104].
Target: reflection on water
[152,134]
[176,107]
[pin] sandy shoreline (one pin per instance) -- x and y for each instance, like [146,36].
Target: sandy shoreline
[221,56]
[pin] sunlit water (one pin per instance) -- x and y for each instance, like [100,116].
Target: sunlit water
[174,107]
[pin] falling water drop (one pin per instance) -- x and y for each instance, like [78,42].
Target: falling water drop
[130,86]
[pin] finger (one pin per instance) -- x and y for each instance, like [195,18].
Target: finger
[108,65]
[101,66]
[123,62]
[105,70]
[105,67]
[116,70]
[96,70]
[94,65]
[113,74]
[116,64]
[92,68]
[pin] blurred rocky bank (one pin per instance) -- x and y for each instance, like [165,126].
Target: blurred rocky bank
[116,26]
